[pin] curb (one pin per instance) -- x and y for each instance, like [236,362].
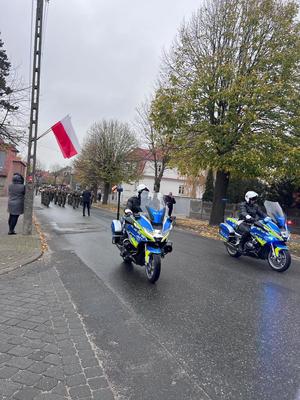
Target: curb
[37,253]
[33,259]
[43,240]
[29,261]
[104,208]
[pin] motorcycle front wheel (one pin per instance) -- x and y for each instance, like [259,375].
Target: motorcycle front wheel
[153,268]
[280,263]
[126,259]
[232,251]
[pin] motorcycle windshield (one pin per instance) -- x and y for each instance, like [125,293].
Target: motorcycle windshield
[275,211]
[153,204]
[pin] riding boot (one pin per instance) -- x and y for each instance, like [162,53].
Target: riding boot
[242,242]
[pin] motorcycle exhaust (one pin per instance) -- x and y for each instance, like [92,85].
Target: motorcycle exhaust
[127,244]
[232,245]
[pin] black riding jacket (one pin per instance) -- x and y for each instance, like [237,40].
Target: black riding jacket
[251,209]
[134,204]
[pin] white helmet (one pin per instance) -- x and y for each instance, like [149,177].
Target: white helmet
[142,187]
[250,196]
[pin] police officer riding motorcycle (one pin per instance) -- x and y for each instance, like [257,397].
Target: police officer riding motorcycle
[257,234]
[134,202]
[249,213]
[142,234]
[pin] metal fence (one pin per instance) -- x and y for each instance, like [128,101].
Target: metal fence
[198,209]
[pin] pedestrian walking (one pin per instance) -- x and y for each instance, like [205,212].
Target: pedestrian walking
[16,195]
[170,201]
[86,200]
[99,195]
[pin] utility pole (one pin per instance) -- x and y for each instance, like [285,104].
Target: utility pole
[33,127]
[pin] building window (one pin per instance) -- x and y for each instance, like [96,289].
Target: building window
[181,189]
[2,159]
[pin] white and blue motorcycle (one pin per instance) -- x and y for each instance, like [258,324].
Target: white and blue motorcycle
[268,238]
[143,238]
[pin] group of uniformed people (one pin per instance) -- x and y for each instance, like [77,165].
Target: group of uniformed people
[60,195]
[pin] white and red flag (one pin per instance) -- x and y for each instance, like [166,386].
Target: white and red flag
[66,137]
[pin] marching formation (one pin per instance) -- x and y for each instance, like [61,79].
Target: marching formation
[62,195]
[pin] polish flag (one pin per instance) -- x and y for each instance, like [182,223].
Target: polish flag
[66,137]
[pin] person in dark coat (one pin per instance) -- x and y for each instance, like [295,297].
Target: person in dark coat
[170,201]
[86,200]
[16,195]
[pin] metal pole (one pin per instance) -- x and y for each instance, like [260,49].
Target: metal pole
[33,127]
[119,201]
[119,190]
[44,134]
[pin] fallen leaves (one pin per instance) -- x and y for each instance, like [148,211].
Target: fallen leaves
[109,207]
[44,245]
[199,226]
[203,229]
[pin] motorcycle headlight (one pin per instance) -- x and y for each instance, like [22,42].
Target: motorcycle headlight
[157,235]
[285,235]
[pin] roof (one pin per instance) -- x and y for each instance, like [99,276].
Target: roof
[141,154]
[9,146]
[20,162]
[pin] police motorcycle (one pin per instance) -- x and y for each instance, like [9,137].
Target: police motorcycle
[143,238]
[268,238]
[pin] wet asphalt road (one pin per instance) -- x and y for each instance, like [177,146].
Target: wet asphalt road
[213,327]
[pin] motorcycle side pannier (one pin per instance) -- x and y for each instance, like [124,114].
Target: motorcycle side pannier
[226,230]
[116,230]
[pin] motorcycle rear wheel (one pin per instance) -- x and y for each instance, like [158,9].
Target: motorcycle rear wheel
[280,263]
[153,268]
[232,252]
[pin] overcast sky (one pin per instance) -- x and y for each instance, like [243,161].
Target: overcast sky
[101,57]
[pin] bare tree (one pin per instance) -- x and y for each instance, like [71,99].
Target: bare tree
[56,171]
[13,103]
[156,141]
[107,155]
[40,166]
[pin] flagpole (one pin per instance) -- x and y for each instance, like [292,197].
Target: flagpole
[44,134]
[48,130]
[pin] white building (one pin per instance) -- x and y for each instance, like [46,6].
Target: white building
[171,181]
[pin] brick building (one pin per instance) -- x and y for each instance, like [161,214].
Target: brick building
[10,163]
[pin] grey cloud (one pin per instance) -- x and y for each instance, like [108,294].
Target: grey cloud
[101,58]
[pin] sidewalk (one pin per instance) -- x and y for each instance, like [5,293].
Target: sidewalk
[45,350]
[16,250]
